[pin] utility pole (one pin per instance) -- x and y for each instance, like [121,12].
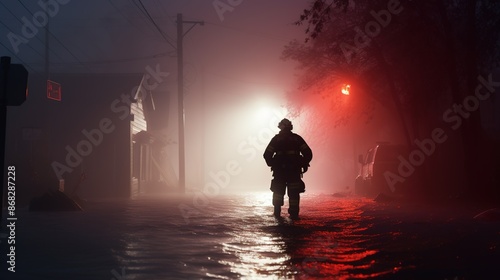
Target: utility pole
[180,90]
[47,54]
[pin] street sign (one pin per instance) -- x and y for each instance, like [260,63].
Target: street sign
[53,90]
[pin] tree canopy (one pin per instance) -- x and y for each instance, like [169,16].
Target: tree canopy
[412,58]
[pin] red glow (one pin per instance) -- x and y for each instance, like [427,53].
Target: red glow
[340,249]
[346,89]
[53,90]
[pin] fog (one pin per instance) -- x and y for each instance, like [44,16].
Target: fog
[235,89]
[121,165]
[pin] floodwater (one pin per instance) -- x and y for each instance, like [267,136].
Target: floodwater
[236,237]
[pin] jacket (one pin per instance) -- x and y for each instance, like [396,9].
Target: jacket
[287,151]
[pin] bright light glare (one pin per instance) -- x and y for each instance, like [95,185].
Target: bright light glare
[240,135]
[345,89]
[263,113]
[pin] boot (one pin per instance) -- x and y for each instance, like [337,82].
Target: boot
[277,211]
[294,214]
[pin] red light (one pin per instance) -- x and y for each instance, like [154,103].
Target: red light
[346,89]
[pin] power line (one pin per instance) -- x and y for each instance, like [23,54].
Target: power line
[24,63]
[120,12]
[13,32]
[31,47]
[78,61]
[145,11]
[164,10]
[142,15]
[163,54]
[63,45]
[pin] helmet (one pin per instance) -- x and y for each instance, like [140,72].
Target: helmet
[285,124]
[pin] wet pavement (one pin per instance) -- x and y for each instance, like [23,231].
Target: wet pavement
[236,237]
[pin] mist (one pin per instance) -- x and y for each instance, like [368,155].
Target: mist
[234,94]
[139,146]
[236,90]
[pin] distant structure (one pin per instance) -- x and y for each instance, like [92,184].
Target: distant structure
[104,127]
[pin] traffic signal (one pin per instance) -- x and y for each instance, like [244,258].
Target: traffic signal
[14,82]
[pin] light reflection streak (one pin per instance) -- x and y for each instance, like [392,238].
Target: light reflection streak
[331,243]
[238,238]
[259,253]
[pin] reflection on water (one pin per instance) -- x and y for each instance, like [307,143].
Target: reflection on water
[329,240]
[258,253]
[333,239]
[234,237]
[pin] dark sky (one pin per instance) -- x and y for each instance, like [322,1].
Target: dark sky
[117,35]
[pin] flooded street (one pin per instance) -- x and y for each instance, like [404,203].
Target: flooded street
[177,124]
[236,237]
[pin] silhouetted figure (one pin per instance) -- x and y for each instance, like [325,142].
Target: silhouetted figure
[288,155]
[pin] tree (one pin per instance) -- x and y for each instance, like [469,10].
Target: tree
[408,54]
